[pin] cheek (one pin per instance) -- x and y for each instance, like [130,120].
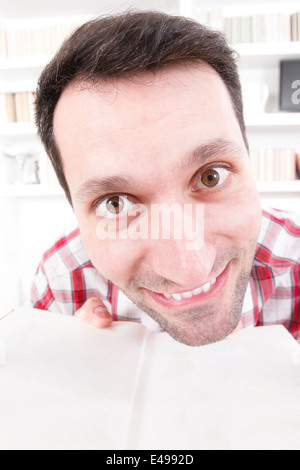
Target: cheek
[115,259]
[237,219]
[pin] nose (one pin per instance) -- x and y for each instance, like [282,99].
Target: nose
[185,258]
[171,260]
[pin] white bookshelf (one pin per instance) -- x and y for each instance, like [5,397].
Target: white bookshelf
[24,63]
[257,61]
[279,187]
[273,121]
[267,55]
[33,215]
[30,190]
[16,129]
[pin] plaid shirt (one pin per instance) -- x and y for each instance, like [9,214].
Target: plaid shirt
[66,278]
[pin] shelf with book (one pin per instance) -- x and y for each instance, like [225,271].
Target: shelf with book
[21,72]
[263,34]
[33,39]
[273,120]
[251,54]
[263,21]
[266,55]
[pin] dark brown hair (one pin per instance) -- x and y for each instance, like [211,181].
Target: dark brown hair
[123,45]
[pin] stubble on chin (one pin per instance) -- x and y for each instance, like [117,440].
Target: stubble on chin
[207,323]
[203,325]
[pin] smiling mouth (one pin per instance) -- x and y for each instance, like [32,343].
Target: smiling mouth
[201,293]
[188,294]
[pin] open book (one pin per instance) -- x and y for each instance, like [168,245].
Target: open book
[67,385]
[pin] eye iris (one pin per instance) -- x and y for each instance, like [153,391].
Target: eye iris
[210,178]
[114,205]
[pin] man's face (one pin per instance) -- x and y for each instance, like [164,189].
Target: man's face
[170,138]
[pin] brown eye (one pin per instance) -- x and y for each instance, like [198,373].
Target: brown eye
[210,178]
[114,204]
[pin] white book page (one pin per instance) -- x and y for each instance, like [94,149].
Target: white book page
[240,393]
[65,384]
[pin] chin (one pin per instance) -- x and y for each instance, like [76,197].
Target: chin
[204,320]
[203,330]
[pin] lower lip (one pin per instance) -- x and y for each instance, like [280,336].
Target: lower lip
[215,290]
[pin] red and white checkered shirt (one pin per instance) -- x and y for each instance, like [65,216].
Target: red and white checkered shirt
[66,278]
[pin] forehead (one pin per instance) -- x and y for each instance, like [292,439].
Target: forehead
[149,118]
[156,90]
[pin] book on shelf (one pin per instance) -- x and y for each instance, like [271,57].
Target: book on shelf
[3,44]
[17,107]
[267,27]
[295,26]
[41,41]
[68,385]
[274,164]
[271,27]
[298,165]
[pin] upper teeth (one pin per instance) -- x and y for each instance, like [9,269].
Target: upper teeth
[185,295]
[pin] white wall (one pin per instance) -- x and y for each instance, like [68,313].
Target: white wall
[28,228]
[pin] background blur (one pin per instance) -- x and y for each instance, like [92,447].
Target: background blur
[33,208]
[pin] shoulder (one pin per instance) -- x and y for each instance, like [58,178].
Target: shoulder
[66,254]
[66,277]
[279,238]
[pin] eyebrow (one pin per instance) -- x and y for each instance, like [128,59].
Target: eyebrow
[209,151]
[111,184]
[95,187]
